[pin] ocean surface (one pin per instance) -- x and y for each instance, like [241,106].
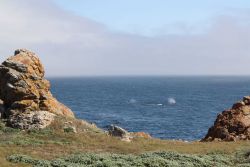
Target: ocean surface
[165,107]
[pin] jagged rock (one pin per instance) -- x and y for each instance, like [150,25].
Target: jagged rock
[246,100]
[238,105]
[124,135]
[117,131]
[232,124]
[25,92]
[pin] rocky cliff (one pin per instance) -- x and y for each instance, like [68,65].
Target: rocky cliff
[26,101]
[232,124]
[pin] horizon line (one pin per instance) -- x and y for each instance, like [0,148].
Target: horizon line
[179,75]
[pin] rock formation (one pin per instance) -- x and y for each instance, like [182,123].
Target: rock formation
[232,124]
[117,131]
[27,100]
[124,135]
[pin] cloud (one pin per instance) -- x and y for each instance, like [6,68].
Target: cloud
[71,45]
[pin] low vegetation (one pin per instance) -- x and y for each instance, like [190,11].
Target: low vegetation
[90,146]
[156,159]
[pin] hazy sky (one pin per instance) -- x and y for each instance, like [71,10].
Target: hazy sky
[130,37]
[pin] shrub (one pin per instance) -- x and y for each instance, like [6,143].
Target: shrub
[40,132]
[158,159]
[10,130]
[69,129]
[16,158]
[243,156]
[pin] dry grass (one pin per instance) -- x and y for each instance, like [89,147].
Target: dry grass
[53,142]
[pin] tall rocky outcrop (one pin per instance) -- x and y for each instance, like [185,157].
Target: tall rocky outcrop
[26,100]
[232,124]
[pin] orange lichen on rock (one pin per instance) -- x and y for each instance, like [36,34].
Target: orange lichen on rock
[142,135]
[232,124]
[24,89]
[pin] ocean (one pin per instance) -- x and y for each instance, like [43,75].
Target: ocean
[165,107]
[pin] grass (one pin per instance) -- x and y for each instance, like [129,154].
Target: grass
[54,144]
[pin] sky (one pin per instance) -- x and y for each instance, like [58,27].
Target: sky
[130,37]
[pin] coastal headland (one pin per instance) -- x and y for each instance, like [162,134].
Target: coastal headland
[37,130]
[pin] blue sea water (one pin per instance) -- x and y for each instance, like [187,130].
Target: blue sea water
[165,107]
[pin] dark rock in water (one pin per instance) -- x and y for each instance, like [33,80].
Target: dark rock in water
[28,102]
[232,124]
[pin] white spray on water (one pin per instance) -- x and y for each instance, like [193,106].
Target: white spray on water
[171,101]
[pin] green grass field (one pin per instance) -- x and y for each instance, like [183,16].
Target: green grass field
[91,147]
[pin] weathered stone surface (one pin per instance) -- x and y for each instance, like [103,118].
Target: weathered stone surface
[117,131]
[31,120]
[24,90]
[232,124]
[124,135]
[238,105]
[246,100]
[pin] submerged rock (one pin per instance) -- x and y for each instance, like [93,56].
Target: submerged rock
[26,95]
[232,124]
